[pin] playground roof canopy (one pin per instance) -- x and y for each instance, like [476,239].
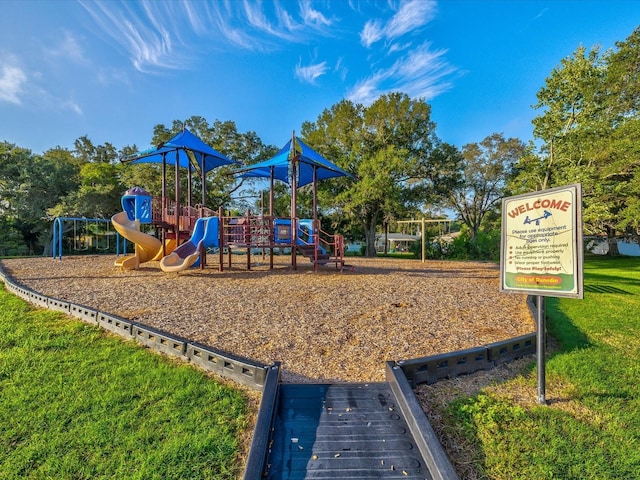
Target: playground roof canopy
[308,161]
[177,150]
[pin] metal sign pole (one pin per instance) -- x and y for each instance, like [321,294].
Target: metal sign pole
[540,351]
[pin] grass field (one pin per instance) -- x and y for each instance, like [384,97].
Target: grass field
[78,404]
[591,427]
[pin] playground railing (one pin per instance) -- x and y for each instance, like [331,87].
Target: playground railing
[333,243]
[253,231]
[234,231]
[325,245]
[260,230]
[158,208]
[204,212]
[163,211]
[187,215]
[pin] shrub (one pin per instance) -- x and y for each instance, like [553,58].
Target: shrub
[485,246]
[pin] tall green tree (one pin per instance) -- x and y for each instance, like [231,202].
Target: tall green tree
[87,152]
[30,185]
[621,160]
[484,171]
[388,146]
[99,188]
[590,133]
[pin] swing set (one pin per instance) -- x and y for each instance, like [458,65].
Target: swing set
[444,225]
[81,234]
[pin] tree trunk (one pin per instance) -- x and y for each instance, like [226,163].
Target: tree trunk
[370,238]
[369,224]
[613,242]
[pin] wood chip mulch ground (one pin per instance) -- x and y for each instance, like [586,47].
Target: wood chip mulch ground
[325,326]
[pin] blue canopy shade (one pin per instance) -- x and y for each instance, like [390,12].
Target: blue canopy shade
[178,149]
[308,161]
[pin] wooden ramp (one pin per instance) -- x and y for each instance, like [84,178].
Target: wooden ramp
[347,430]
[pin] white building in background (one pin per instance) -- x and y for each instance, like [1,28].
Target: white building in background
[626,247]
[396,242]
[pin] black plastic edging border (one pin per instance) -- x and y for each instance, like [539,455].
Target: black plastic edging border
[433,368]
[261,440]
[242,370]
[426,440]
[449,365]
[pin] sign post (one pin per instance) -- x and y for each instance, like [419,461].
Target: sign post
[541,252]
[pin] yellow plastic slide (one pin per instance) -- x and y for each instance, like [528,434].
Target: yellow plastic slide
[169,246]
[147,247]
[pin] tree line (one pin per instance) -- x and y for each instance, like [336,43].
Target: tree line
[587,131]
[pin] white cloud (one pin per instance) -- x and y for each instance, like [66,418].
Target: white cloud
[541,13]
[421,73]
[286,19]
[258,19]
[371,33]
[310,73]
[410,16]
[149,43]
[341,69]
[12,81]
[196,17]
[110,76]
[312,16]
[73,106]
[159,35]
[68,48]
[32,91]
[365,91]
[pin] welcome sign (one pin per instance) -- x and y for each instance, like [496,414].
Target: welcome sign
[541,247]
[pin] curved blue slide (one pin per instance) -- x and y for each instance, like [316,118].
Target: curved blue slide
[205,235]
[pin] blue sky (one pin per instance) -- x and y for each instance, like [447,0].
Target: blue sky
[112,70]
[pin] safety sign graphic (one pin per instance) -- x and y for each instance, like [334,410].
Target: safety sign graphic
[541,250]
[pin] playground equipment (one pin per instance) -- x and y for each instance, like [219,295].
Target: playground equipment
[439,221]
[176,222]
[136,205]
[205,235]
[228,233]
[297,165]
[173,218]
[146,246]
[268,233]
[83,234]
[223,232]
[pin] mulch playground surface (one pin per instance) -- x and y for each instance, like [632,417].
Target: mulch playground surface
[325,326]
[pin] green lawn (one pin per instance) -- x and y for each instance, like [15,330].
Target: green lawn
[591,427]
[76,403]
